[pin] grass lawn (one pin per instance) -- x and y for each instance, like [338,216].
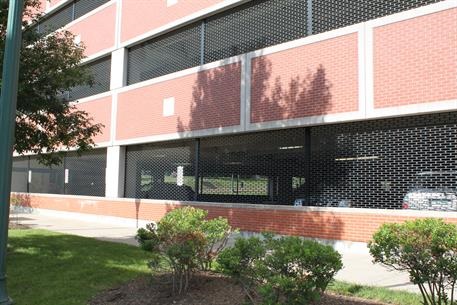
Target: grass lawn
[58,269]
[375,293]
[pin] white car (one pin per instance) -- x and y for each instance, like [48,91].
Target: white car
[431,199]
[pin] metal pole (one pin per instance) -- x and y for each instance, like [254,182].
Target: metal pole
[197,169]
[8,101]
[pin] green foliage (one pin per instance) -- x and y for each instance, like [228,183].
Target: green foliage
[288,270]
[188,241]
[49,67]
[427,249]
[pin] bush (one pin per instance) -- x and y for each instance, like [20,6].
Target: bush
[186,240]
[288,270]
[427,249]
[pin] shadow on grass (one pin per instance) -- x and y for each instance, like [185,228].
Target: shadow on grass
[51,268]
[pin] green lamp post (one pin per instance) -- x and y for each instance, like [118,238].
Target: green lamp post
[8,101]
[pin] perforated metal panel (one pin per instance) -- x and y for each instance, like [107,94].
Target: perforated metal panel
[85,174]
[83,7]
[262,167]
[19,175]
[169,53]
[387,164]
[57,20]
[101,72]
[253,26]
[67,14]
[161,171]
[44,179]
[334,14]
[376,164]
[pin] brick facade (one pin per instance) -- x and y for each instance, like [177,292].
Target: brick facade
[314,79]
[334,223]
[100,112]
[135,11]
[415,61]
[349,74]
[104,21]
[207,99]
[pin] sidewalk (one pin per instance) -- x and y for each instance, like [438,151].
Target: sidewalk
[358,267]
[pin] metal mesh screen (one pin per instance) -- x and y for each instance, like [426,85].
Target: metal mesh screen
[57,20]
[253,168]
[67,14]
[20,174]
[407,162]
[161,171]
[253,26]
[76,175]
[332,14]
[85,174]
[83,7]
[385,163]
[44,179]
[169,53]
[101,72]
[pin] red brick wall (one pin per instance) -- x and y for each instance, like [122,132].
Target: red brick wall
[415,61]
[139,17]
[206,99]
[100,111]
[345,224]
[314,79]
[97,31]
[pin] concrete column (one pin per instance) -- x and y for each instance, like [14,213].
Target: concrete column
[118,68]
[115,172]
[115,159]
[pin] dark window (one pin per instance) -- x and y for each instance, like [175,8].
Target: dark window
[20,174]
[333,14]
[57,20]
[83,7]
[255,25]
[386,163]
[45,179]
[76,175]
[253,168]
[375,164]
[161,171]
[67,14]
[101,72]
[85,174]
[166,54]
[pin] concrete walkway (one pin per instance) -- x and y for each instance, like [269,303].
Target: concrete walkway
[358,267]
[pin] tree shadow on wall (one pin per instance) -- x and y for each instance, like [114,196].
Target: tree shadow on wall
[216,96]
[216,101]
[304,94]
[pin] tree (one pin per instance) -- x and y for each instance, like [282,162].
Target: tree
[46,122]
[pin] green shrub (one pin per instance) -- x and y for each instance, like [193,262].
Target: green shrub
[186,241]
[288,270]
[241,263]
[427,249]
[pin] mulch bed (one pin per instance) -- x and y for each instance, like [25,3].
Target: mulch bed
[206,289]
